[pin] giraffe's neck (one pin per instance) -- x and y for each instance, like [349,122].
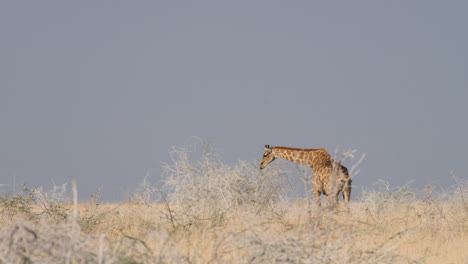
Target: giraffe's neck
[307,157]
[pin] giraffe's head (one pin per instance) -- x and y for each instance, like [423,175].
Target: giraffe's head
[267,157]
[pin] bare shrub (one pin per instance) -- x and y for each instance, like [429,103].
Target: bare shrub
[93,215]
[146,193]
[18,205]
[386,198]
[206,187]
[460,193]
[44,243]
[456,205]
[52,202]
[318,248]
[27,242]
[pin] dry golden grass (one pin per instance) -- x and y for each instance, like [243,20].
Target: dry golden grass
[412,232]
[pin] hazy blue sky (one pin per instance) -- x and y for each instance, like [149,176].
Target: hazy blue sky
[99,91]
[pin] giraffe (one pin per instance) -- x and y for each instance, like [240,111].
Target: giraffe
[329,176]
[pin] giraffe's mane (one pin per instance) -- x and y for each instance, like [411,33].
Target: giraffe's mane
[288,148]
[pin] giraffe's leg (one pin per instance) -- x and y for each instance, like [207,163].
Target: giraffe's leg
[347,193]
[337,196]
[316,189]
[335,189]
[317,198]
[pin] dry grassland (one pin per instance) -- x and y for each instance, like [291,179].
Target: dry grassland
[415,232]
[211,213]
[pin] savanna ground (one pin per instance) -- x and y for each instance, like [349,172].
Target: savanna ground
[208,212]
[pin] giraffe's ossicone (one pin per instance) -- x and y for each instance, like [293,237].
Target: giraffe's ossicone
[329,176]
